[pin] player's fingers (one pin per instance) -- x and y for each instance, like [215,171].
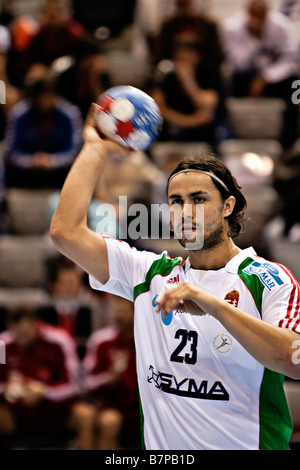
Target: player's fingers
[90,118]
[170,299]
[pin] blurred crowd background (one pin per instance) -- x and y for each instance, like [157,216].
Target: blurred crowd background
[226,76]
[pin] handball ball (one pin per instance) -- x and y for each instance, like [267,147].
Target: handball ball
[129,117]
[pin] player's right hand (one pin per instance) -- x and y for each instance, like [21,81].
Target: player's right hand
[91,135]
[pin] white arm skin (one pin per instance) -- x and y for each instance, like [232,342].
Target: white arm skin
[69,230]
[268,344]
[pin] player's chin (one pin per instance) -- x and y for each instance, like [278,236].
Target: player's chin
[191,240]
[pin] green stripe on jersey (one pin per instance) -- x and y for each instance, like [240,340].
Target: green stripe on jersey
[254,284]
[163,266]
[275,419]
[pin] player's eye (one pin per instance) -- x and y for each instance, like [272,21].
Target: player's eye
[176,201]
[199,199]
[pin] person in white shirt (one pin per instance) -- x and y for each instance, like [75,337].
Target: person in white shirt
[212,349]
[261,48]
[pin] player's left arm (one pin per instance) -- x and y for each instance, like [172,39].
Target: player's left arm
[272,346]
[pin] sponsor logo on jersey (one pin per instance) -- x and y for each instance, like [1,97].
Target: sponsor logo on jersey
[222,343]
[166,320]
[187,387]
[233,297]
[267,273]
[173,280]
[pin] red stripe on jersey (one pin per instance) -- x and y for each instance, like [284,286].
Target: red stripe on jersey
[288,316]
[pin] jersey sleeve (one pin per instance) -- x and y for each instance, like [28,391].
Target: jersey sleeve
[127,268]
[281,306]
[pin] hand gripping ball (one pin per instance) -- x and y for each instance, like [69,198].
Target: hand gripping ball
[129,117]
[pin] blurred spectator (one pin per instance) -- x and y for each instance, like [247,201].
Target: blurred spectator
[110,378]
[287,183]
[3,209]
[9,94]
[5,43]
[22,30]
[261,48]
[43,136]
[135,179]
[12,9]
[70,301]
[105,19]
[189,92]
[290,8]
[38,382]
[148,18]
[87,77]
[56,37]
[190,25]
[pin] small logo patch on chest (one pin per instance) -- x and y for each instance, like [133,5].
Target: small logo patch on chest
[222,343]
[233,297]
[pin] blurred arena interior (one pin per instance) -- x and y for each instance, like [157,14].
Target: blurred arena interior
[83,48]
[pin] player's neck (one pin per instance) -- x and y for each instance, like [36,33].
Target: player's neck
[214,258]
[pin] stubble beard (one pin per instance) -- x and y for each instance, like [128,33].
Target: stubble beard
[214,239]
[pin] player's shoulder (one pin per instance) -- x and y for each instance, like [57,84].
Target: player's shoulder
[270,273]
[144,256]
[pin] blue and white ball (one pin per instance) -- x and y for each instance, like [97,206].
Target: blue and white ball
[129,117]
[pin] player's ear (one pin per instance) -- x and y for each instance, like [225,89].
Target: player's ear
[228,207]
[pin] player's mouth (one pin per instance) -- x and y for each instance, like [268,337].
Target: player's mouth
[189,230]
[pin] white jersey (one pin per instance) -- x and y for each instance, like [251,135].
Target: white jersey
[199,388]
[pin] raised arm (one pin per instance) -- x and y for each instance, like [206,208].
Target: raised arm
[69,229]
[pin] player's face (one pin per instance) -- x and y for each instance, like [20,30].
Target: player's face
[197,211]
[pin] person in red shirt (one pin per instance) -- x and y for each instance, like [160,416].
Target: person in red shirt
[110,379]
[38,382]
[56,36]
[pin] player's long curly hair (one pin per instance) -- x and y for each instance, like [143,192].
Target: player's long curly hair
[213,164]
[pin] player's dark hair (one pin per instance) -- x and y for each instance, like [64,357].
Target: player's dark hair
[213,164]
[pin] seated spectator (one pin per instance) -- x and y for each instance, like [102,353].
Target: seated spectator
[287,183]
[111,384]
[43,137]
[38,383]
[261,48]
[189,94]
[56,37]
[9,93]
[148,18]
[3,210]
[22,29]
[87,77]
[134,179]
[192,26]
[107,20]
[69,303]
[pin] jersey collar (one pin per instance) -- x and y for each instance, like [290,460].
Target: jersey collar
[233,264]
